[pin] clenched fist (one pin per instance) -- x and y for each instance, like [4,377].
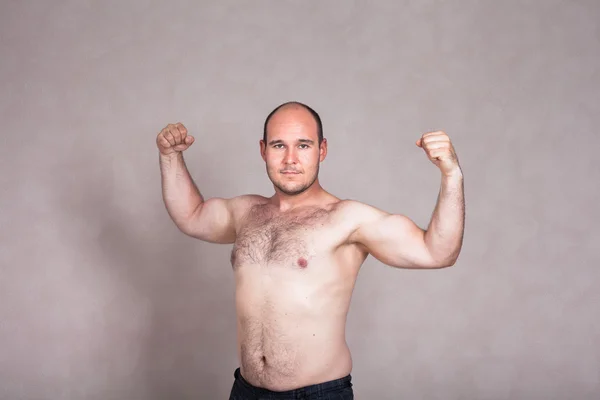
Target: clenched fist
[173,139]
[440,151]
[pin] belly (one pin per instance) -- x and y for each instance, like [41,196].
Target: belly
[291,327]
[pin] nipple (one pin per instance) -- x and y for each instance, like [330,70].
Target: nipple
[302,262]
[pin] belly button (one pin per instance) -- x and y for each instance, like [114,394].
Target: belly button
[302,262]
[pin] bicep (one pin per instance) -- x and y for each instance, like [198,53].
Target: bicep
[213,221]
[394,239]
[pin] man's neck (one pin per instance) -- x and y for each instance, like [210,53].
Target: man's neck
[311,196]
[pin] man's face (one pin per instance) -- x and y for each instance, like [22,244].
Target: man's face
[292,153]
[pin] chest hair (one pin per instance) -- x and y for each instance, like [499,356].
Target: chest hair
[268,236]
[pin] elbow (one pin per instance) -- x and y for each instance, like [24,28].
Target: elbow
[185,229]
[186,225]
[187,222]
[447,262]
[444,257]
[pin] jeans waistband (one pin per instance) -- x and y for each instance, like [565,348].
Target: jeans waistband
[316,389]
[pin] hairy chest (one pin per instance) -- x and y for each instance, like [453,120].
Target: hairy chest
[267,237]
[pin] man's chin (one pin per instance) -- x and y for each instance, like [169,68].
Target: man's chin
[292,191]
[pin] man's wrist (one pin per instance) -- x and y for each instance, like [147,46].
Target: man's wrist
[169,157]
[170,161]
[454,174]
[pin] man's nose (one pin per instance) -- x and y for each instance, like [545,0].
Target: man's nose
[290,157]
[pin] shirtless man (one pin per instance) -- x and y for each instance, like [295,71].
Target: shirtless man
[296,254]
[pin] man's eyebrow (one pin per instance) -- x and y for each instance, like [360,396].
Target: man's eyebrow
[279,141]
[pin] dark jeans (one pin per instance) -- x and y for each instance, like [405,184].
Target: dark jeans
[338,389]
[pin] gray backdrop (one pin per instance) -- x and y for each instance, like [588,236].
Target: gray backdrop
[101,297]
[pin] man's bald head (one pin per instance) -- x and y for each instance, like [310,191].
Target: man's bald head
[294,105]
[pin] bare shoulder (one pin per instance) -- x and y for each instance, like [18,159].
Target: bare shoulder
[359,212]
[246,200]
[240,205]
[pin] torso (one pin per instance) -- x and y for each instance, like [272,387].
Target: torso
[295,274]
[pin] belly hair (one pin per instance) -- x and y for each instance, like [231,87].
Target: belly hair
[265,347]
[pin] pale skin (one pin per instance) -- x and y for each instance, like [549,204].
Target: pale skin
[296,254]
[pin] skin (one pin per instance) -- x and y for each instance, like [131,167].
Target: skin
[296,255]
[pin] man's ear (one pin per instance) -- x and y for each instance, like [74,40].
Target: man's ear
[263,147]
[323,150]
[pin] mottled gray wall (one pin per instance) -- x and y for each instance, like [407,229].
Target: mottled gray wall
[101,297]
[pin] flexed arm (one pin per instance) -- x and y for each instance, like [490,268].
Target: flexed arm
[444,236]
[397,241]
[209,220]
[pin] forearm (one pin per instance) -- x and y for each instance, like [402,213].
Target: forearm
[444,235]
[180,194]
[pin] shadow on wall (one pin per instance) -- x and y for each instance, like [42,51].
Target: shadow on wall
[167,319]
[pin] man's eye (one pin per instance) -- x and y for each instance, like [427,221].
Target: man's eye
[278,146]
[304,146]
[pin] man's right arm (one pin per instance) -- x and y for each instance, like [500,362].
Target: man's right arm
[210,220]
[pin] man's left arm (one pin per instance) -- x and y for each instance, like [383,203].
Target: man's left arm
[397,241]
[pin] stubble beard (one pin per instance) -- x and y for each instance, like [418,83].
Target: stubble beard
[297,191]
